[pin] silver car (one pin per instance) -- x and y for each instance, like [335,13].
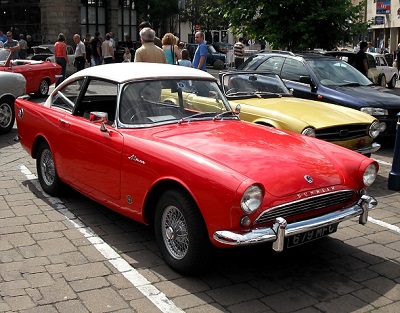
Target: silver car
[12,85]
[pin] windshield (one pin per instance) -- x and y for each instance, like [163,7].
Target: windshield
[335,72]
[4,55]
[251,84]
[148,103]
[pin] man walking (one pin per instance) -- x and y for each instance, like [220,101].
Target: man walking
[96,48]
[238,51]
[200,56]
[361,59]
[80,53]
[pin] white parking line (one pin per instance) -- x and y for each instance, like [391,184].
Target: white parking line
[130,273]
[384,224]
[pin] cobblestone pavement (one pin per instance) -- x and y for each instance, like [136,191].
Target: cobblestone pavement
[73,255]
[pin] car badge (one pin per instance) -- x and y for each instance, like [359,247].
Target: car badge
[308,179]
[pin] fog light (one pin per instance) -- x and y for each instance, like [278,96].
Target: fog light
[245,221]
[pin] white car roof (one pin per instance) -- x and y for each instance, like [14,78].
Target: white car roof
[128,71]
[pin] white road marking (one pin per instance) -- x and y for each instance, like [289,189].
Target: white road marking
[129,272]
[383,162]
[384,224]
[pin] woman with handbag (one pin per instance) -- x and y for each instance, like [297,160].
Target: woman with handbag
[170,47]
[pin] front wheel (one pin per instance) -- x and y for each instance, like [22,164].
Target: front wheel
[7,115]
[393,82]
[382,80]
[43,88]
[181,233]
[218,65]
[46,169]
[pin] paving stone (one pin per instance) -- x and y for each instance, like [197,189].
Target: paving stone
[103,300]
[289,301]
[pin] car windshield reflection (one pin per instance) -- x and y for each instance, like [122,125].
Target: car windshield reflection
[337,73]
[149,103]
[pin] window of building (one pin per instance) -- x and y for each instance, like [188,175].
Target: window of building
[93,17]
[127,20]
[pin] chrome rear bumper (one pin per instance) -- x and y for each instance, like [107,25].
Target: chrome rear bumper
[281,229]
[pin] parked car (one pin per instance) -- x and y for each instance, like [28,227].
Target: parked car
[327,79]
[160,144]
[45,52]
[215,59]
[39,75]
[12,85]
[263,98]
[379,71]
[222,47]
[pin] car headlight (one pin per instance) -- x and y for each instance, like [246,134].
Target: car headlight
[309,131]
[369,175]
[251,199]
[374,129]
[374,111]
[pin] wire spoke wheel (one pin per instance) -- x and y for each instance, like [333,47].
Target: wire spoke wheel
[175,235]
[47,167]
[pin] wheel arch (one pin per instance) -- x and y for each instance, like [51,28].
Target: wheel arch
[149,207]
[7,96]
[36,144]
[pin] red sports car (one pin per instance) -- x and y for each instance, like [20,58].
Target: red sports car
[159,143]
[39,75]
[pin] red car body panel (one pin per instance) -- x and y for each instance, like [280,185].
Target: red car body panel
[33,71]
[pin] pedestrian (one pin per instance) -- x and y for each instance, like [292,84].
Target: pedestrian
[60,53]
[88,48]
[361,62]
[238,51]
[3,38]
[200,56]
[157,41]
[170,48]
[12,45]
[185,61]
[96,49]
[149,52]
[398,57]
[30,44]
[107,50]
[127,57]
[80,53]
[370,47]
[23,47]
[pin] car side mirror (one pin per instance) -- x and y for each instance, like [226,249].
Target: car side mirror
[307,80]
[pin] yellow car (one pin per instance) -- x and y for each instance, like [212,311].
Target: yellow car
[264,99]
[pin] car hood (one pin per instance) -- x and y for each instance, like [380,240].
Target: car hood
[317,114]
[264,155]
[372,96]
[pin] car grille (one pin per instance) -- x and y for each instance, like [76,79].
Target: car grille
[335,199]
[340,133]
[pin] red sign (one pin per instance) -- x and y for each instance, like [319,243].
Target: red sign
[197,27]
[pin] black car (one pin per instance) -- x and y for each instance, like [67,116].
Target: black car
[328,79]
[215,59]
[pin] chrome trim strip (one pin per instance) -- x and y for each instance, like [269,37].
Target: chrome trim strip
[280,229]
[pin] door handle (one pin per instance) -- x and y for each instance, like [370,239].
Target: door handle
[63,122]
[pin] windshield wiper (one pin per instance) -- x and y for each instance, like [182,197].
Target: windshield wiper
[237,93]
[267,93]
[197,115]
[350,85]
[220,116]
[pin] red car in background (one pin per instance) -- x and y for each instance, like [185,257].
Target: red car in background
[39,75]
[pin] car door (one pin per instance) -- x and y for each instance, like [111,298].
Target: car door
[91,151]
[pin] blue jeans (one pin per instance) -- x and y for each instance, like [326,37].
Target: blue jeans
[63,63]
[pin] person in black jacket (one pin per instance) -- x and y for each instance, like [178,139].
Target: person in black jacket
[361,62]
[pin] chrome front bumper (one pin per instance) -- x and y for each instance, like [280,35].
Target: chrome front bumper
[370,149]
[281,229]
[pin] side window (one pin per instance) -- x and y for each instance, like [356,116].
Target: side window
[273,64]
[66,98]
[372,63]
[292,70]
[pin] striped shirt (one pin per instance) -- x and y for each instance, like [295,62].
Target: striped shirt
[238,50]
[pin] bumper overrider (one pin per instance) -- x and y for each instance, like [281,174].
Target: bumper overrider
[281,229]
[369,149]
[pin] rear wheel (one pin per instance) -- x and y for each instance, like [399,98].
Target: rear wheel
[382,80]
[7,115]
[181,233]
[218,65]
[43,88]
[47,173]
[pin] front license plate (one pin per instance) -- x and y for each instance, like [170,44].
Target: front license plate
[311,235]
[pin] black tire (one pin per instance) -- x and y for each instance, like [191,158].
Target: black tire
[181,233]
[44,88]
[7,115]
[392,83]
[218,65]
[46,170]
